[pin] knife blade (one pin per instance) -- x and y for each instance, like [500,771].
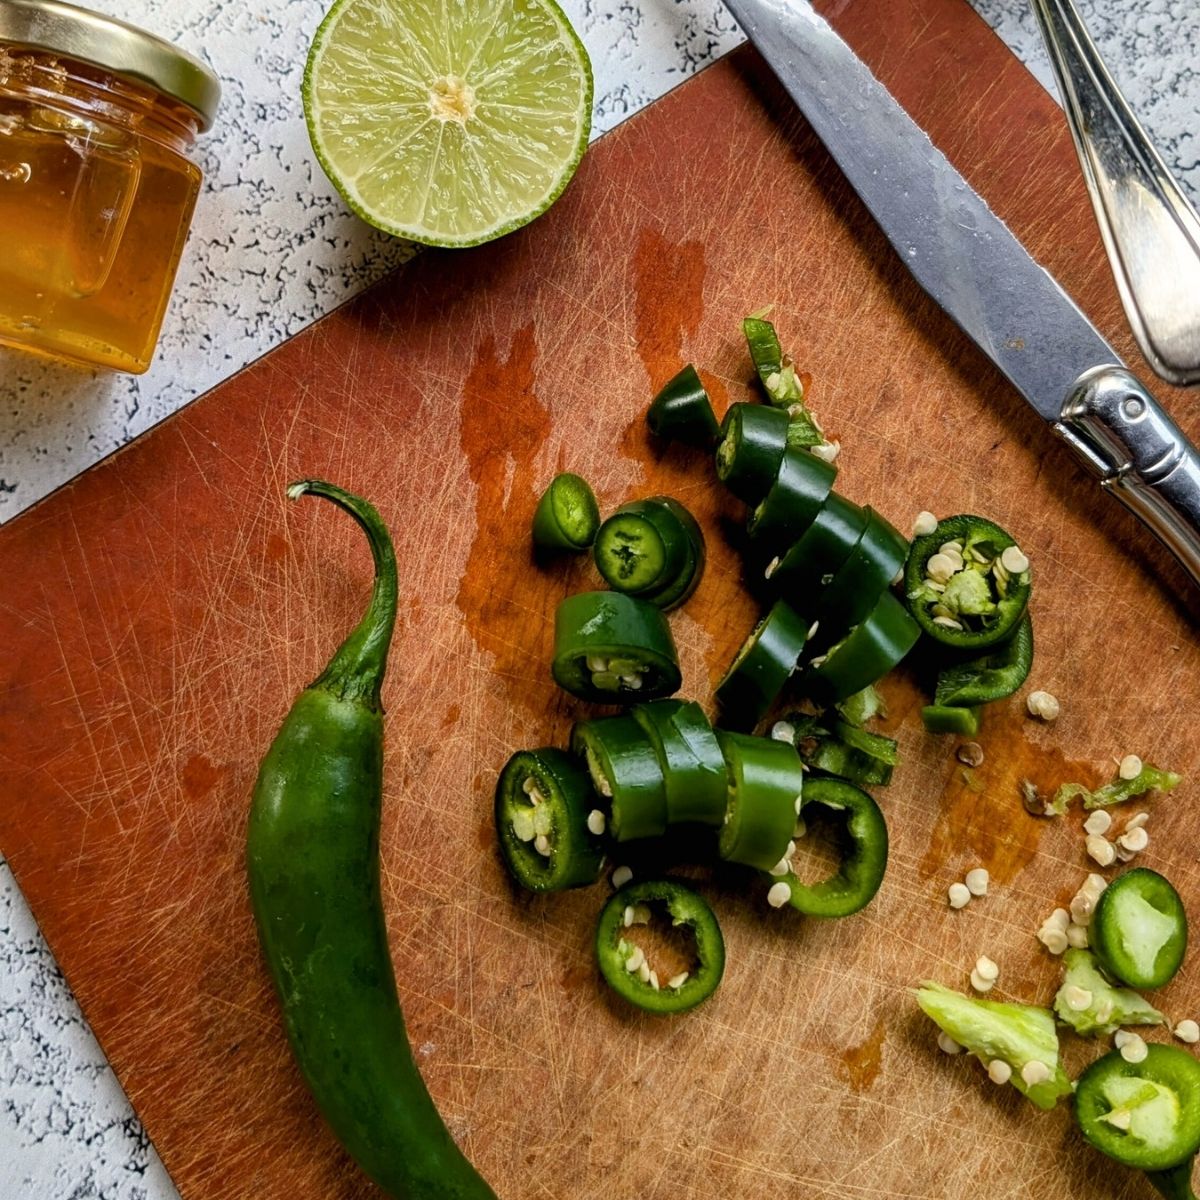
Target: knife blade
[968,260]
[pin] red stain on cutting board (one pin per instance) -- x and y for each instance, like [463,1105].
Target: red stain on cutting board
[161,611]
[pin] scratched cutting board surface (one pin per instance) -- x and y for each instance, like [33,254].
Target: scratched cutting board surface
[161,611]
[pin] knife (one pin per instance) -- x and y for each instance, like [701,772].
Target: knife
[966,258]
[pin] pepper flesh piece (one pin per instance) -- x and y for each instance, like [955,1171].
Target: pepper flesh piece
[682,411]
[641,548]
[761,667]
[838,748]
[312,858]
[765,782]
[1139,929]
[753,441]
[685,909]
[867,653]
[1176,1182]
[988,677]
[1016,1034]
[567,516]
[865,855]
[690,758]
[944,718]
[1109,1006]
[813,560]
[982,600]
[680,590]
[1161,1098]
[801,487]
[556,809]
[626,771]
[781,382]
[630,635]
[856,587]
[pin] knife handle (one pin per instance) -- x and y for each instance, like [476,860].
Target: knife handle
[1140,455]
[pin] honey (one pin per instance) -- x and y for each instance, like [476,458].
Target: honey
[96,196]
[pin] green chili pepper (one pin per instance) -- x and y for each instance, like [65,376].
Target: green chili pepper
[1148,779]
[682,411]
[690,758]
[867,653]
[1016,1034]
[753,440]
[641,548]
[864,858]
[864,577]
[801,487]
[814,560]
[312,854]
[624,963]
[863,706]
[1175,1183]
[1139,929]
[626,771]
[765,781]
[967,583]
[567,515]
[834,747]
[678,591]
[767,355]
[544,801]
[761,667]
[988,677]
[613,649]
[942,718]
[1144,1114]
[1108,1008]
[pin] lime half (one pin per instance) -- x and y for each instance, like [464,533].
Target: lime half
[448,122]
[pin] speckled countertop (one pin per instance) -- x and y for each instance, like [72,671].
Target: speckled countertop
[272,249]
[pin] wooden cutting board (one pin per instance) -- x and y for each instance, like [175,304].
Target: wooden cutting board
[161,611]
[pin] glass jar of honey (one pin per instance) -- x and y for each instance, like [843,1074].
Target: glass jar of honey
[97,121]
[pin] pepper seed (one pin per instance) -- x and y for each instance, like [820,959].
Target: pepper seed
[1135,1049]
[644,970]
[541,844]
[977,880]
[1134,840]
[621,876]
[1077,999]
[1034,1072]
[970,754]
[784,731]
[779,894]
[999,1071]
[522,825]
[1015,562]
[959,895]
[985,968]
[1099,823]
[946,1044]
[1102,850]
[1137,821]
[677,981]
[1119,1118]
[636,959]
[1131,767]
[827,451]
[596,822]
[1188,1031]
[940,567]
[1077,937]
[947,622]
[1043,705]
[924,524]
[980,984]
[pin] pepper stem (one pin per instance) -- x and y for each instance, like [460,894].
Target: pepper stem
[1175,1184]
[356,670]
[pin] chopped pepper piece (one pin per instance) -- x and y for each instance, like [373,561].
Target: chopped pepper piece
[1144,1114]
[690,757]
[1148,779]
[1016,1034]
[988,677]
[761,667]
[626,771]
[624,963]
[682,411]
[863,706]
[641,548]
[813,561]
[836,747]
[940,718]
[865,852]
[678,591]
[1139,929]
[782,385]
[864,577]
[613,649]
[959,587]
[801,487]
[567,515]
[1105,1007]
[867,653]
[543,798]
[753,439]
[765,781]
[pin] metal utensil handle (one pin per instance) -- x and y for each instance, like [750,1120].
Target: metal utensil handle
[1141,456]
[1150,230]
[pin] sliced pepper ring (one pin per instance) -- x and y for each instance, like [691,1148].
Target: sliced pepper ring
[1158,1102]
[626,771]
[623,963]
[813,561]
[761,667]
[1139,929]
[753,439]
[867,653]
[969,599]
[801,487]
[543,802]
[677,592]
[640,548]
[765,782]
[864,862]
[567,515]
[693,767]
[988,677]
[682,411]
[613,649]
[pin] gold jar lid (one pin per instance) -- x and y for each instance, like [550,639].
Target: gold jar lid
[113,46]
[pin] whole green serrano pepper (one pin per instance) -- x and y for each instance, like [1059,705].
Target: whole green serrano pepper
[312,852]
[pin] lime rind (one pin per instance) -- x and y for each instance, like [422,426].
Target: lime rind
[419,155]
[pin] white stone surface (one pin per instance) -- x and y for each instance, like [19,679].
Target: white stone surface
[272,249]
